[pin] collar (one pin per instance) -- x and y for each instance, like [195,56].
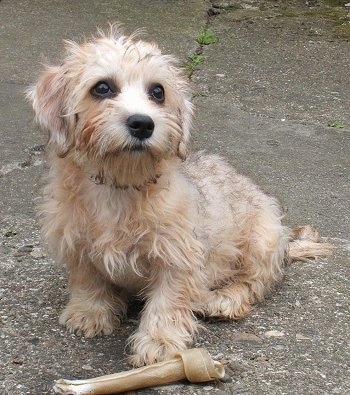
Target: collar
[99,179]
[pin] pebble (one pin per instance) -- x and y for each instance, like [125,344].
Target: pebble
[245,337]
[212,11]
[299,336]
[87,367]
[37,253]
[250,7]
[278,347]
[208,388]
[274,334]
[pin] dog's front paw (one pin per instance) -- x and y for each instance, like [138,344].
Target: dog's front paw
[87,320]
[148,350]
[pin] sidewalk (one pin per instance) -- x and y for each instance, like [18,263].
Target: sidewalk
[265,96]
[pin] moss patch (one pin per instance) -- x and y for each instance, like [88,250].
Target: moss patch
[333,14]
[343,31]
[336,3]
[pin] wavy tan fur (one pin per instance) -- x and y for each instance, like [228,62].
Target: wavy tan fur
[184,232]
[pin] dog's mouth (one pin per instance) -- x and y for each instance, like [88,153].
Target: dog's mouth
[137,147]
[130,148]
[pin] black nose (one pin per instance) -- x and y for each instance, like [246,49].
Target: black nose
[140,126]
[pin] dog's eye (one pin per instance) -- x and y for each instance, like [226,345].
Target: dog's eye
[156,93]
[103,90]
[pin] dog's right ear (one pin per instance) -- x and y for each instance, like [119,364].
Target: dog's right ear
[48,101]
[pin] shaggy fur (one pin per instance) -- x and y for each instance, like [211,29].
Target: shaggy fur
[139,216]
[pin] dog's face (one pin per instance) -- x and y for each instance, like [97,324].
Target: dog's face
[114,97]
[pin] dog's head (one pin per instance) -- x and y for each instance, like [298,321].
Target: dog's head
[113,96]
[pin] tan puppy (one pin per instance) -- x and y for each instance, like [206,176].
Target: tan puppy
[130,213]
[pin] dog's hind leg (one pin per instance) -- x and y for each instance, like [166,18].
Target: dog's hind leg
[262,247]
[262,268]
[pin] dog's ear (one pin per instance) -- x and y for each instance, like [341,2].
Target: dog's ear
[183,148]
[47,98]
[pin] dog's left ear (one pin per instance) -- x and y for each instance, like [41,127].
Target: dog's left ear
[183,148]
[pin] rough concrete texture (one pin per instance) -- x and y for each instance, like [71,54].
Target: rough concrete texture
[265,96]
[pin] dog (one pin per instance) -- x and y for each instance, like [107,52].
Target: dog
[130,212]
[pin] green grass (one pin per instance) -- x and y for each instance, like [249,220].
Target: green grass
[192,63]
[289,14]
[196,58]
[336,124]
[207,37]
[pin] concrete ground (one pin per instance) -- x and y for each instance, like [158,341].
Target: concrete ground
[265,97]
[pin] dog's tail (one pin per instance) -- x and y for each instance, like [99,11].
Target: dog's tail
[305,244]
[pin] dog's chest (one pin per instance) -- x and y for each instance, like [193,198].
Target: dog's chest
[121,237]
